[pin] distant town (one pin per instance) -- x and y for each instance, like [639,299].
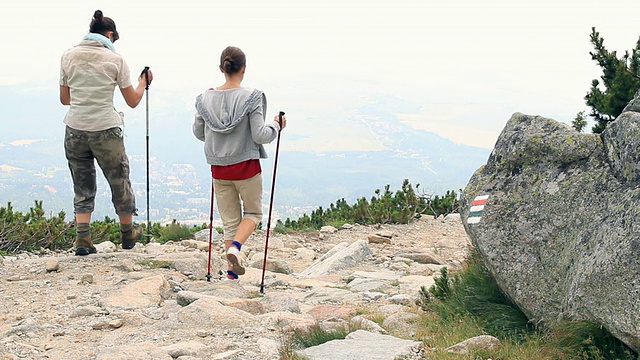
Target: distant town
[176,192]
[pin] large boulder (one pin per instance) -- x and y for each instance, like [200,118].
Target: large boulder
[554,214]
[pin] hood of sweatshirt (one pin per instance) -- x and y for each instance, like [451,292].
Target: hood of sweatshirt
[223,110]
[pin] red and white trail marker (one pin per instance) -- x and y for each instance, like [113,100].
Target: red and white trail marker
[477,208]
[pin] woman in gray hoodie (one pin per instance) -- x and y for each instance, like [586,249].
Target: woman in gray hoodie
[230,119]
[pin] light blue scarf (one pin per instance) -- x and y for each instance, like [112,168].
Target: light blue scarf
[102,39]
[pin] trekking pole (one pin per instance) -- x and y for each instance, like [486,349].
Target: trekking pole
[144,72]
[273,186]
[210,233]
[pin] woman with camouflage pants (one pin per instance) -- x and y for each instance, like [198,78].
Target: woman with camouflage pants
[89,73]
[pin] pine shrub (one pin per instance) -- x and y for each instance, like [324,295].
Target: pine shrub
[385,207]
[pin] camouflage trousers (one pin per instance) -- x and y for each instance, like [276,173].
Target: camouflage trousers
[83,149]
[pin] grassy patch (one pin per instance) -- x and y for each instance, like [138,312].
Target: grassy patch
[468,304]
[156,264]
[293,340]
[588,341]
[316,335]
[375,315]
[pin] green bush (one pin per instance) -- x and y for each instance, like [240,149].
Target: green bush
[173,231]
[385,207]
[281,229]
[443,285]
[33,231]
[105,230]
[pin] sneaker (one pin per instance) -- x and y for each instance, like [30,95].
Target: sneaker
[233,258]
[130,237]
[231,275]
[82,251]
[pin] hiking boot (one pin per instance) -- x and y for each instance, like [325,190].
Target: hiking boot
[130,237]
[233,258]
[83,244]
[82,251]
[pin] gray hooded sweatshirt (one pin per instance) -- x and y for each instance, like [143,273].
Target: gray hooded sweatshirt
[232,125]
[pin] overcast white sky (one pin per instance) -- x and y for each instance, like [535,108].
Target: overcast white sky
[467,65]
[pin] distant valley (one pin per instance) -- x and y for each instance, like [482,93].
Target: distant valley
[33,167]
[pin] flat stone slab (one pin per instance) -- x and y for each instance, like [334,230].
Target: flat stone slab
[363,344]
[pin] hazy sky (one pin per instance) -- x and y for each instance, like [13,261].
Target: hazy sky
[462,69]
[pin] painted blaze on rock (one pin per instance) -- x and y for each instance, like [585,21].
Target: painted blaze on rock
[554,214]
[477,208]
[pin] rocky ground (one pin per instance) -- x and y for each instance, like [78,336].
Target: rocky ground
[153,302]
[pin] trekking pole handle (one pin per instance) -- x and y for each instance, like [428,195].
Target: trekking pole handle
[146,78]
[280,115]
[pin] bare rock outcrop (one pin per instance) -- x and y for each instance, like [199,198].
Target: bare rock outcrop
[554,215]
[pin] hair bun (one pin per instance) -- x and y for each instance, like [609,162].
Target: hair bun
[232,60]
[100,24]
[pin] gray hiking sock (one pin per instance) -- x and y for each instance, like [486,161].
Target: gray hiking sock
[125,227]
[83,229]
[83,235]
